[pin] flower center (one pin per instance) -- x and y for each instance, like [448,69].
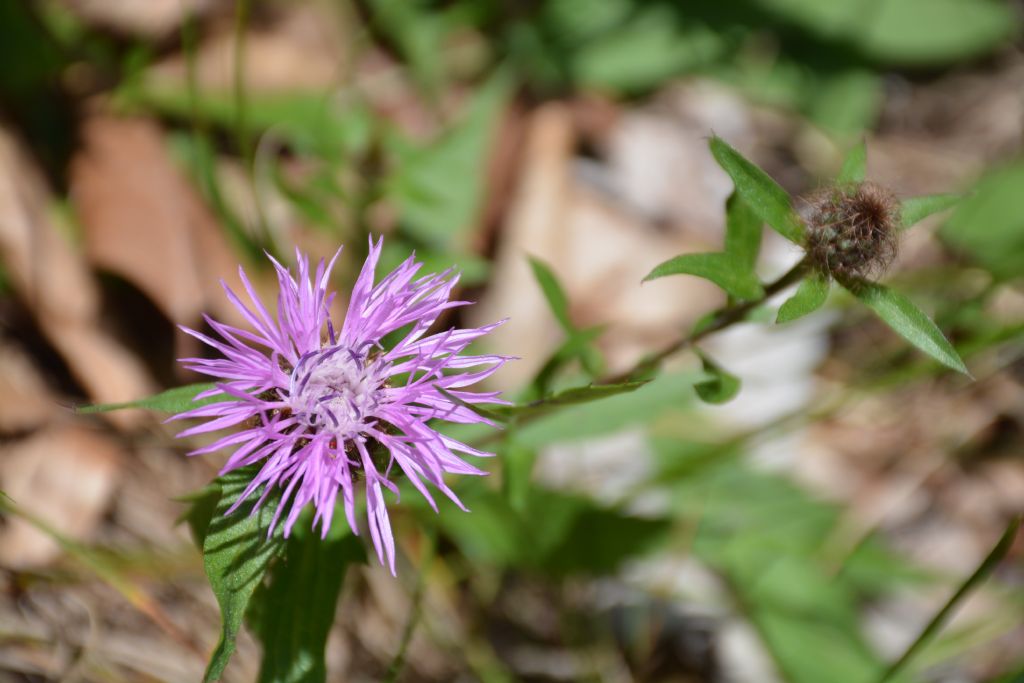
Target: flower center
[336,389]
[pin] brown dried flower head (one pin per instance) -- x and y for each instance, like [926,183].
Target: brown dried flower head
[852,231]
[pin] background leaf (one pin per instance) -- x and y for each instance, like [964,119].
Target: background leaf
[765,197]
[988,225]
[236,555]
[438,188]
[725,270]
[721,387]
[909,322]
[916,209]
[553,292]
[809,297]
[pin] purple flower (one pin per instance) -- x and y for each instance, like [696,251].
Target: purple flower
[324,409]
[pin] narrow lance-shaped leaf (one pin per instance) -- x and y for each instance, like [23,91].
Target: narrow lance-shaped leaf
[553,292]
[909,322]
[767,199]
[916,209]
[725,270]
[236,555]
[174,400]
[742,232]
[721,387]
[855,165]
[293,615]
[809,297]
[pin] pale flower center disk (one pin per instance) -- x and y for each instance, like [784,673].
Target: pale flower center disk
[335,389]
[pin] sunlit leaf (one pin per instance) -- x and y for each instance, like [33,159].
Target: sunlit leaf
[236,555]
[909,322]
[809,297]
[725,270]
[765,197]
[916,209]
[176,400]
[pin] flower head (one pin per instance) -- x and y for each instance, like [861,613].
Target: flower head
[852,231]
[328,411]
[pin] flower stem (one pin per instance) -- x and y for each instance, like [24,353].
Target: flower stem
[723,318]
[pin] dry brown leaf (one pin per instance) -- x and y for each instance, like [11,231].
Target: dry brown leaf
[55,283]
[150,19]
[65,476]
[45,270]
[144,221]
[25,402]
[302,50]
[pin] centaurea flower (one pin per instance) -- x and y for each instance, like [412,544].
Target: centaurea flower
[327,411]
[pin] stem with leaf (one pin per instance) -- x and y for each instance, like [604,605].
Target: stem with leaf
[720,320]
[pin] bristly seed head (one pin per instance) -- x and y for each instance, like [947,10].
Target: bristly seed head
[852,231]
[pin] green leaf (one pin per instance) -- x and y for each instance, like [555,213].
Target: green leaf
[644,49]
[293,615]
[809,297]
[916,209]
[236,555]
[549,531]
[418,35]
[855,165]
[989,224]
[767,199]
[725,270]
[742,232]
[176,400]
[909,322]
[904,32]
[553,292]
[438,188]
[933,31]
[579,345]
[668,393]
[722,387]
[201,506]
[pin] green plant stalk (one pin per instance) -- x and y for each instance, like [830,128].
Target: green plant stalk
[983,571]
[723,318]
